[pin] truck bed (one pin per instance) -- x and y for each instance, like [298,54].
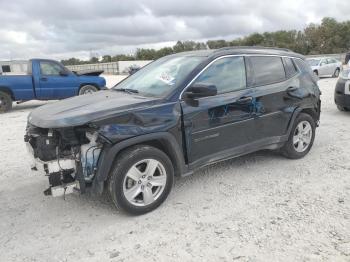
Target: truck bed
[21,86]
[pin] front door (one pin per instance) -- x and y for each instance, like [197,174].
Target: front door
[324,68]
[54,84]
[219,124]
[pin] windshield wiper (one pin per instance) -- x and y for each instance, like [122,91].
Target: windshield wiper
[127,90]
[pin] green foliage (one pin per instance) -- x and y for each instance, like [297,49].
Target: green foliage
[328,37]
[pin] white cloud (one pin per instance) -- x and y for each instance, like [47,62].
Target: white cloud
[60,29]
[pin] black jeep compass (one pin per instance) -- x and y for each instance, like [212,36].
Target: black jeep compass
[177,114]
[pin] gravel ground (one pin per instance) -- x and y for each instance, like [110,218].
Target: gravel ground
[260,207]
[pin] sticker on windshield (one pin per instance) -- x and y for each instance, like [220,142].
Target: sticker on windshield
[166,78]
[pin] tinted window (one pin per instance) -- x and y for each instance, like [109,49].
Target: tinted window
[227,74]
[305,68]
[289,67]
[267,70]
[6,69]
[331,61]
[50,68]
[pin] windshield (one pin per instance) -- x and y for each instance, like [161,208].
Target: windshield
[160,77]
[313,62]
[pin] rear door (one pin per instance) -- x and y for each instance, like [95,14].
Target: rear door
[272,105]
[219,124]
[53,84]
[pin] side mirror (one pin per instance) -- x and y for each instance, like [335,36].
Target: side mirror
[201,90]
[63,73]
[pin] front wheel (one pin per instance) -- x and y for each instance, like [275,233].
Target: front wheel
[301,137]
[87,89]
[5,102]
[336,73]
[141,179]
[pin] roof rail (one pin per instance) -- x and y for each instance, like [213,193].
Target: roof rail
[254,47]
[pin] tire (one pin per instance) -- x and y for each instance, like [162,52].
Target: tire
[342,108]
[336,73]
[129,185]
[298,145]
[5,102]
[316,73]
[87,89]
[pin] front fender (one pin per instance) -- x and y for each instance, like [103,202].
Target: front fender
[110,152]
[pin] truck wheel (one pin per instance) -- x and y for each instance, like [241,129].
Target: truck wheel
[141,179]
[5,102]
[88,89]
[301,137]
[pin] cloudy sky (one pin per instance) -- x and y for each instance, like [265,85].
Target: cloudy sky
[65,28]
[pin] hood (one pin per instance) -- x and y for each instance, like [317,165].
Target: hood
[83,109]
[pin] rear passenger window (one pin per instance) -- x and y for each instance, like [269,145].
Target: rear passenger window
[267,70]
[305,68]
[289,67]
[227,74]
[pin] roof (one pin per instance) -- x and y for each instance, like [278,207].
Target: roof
[236,50]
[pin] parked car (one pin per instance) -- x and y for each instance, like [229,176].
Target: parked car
[325,66]
[46,80]
[342,91]
[177,114]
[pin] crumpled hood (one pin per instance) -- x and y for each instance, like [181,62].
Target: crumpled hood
[83,109]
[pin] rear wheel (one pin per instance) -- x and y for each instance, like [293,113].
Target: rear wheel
[141,179]
[301,137]
[336,72]
[5,102]
[87,89]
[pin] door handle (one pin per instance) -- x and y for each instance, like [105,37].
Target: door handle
[292,88]
[43,79]
[245,100]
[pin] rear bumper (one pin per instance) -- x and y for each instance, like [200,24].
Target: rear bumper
[342,100]
[342,93]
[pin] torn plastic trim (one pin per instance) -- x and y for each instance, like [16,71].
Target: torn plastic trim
[89,155]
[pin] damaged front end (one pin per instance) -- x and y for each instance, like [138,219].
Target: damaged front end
[68,156]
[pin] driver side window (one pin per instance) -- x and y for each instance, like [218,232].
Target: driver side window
[323,62]
[227,74]
[50,68]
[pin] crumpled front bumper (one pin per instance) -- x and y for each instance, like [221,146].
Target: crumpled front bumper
[55,170]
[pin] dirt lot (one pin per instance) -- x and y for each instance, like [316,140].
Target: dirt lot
[260,207]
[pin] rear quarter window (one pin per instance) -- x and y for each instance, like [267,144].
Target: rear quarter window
[305,68]
[267,70]
[289,67]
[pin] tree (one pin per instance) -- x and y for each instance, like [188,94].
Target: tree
[106,59]
[93,60]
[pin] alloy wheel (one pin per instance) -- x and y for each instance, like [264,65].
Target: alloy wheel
[144,182]
[302,136]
